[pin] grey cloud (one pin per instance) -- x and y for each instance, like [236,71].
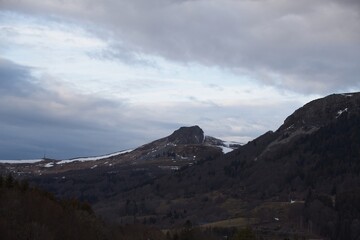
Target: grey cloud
[353,3]
[306,46]
[292,44]
[15,78]
[57,121]
[240,120]
[123,54]
[52,119]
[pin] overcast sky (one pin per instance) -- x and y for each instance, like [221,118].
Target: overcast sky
[89,77]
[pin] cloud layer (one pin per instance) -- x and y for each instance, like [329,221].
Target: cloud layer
[51,119]
[41,115]
[88,77]
[307,46]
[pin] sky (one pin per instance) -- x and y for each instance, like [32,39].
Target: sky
[88,77]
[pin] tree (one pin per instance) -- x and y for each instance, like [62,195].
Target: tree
[245,234]
[9,181]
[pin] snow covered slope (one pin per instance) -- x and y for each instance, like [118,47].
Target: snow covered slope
[84,159]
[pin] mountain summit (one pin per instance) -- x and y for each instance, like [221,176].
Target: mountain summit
[184,147]
[187,135]
[322,111]
[316,115]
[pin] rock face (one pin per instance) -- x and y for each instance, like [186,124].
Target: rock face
[187,135]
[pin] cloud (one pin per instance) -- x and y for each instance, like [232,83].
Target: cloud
[14,78]
[120,53]
[282,43]
[41,115]
[182,53]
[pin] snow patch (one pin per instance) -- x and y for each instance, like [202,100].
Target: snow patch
[292,126]
[226,150]
[341,112]
[173,168]
[21,161]
[85,159]
[50,164]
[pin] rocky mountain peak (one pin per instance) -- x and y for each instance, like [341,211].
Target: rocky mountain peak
[315,115]
[322,111]
[187,135]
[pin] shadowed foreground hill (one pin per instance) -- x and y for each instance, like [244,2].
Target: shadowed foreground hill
[33,214]
[29,213]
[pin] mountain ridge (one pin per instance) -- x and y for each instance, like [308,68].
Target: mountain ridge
[292,177]
[277,167]
[321,111]
[183,144]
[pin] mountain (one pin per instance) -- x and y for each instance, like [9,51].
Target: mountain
[187,135]
[311,147]
[298,181]
[94,179]
[267,182]
[183,147]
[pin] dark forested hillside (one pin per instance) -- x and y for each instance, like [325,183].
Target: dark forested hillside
[327,160]
[30,213]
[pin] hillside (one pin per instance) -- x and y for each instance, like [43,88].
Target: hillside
[298,181]
[267,181]
[97,178]
[30,213]
[183,147]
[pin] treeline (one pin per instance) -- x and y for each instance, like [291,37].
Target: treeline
[216,233]
[335,217]
[9,182]
[30,213]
